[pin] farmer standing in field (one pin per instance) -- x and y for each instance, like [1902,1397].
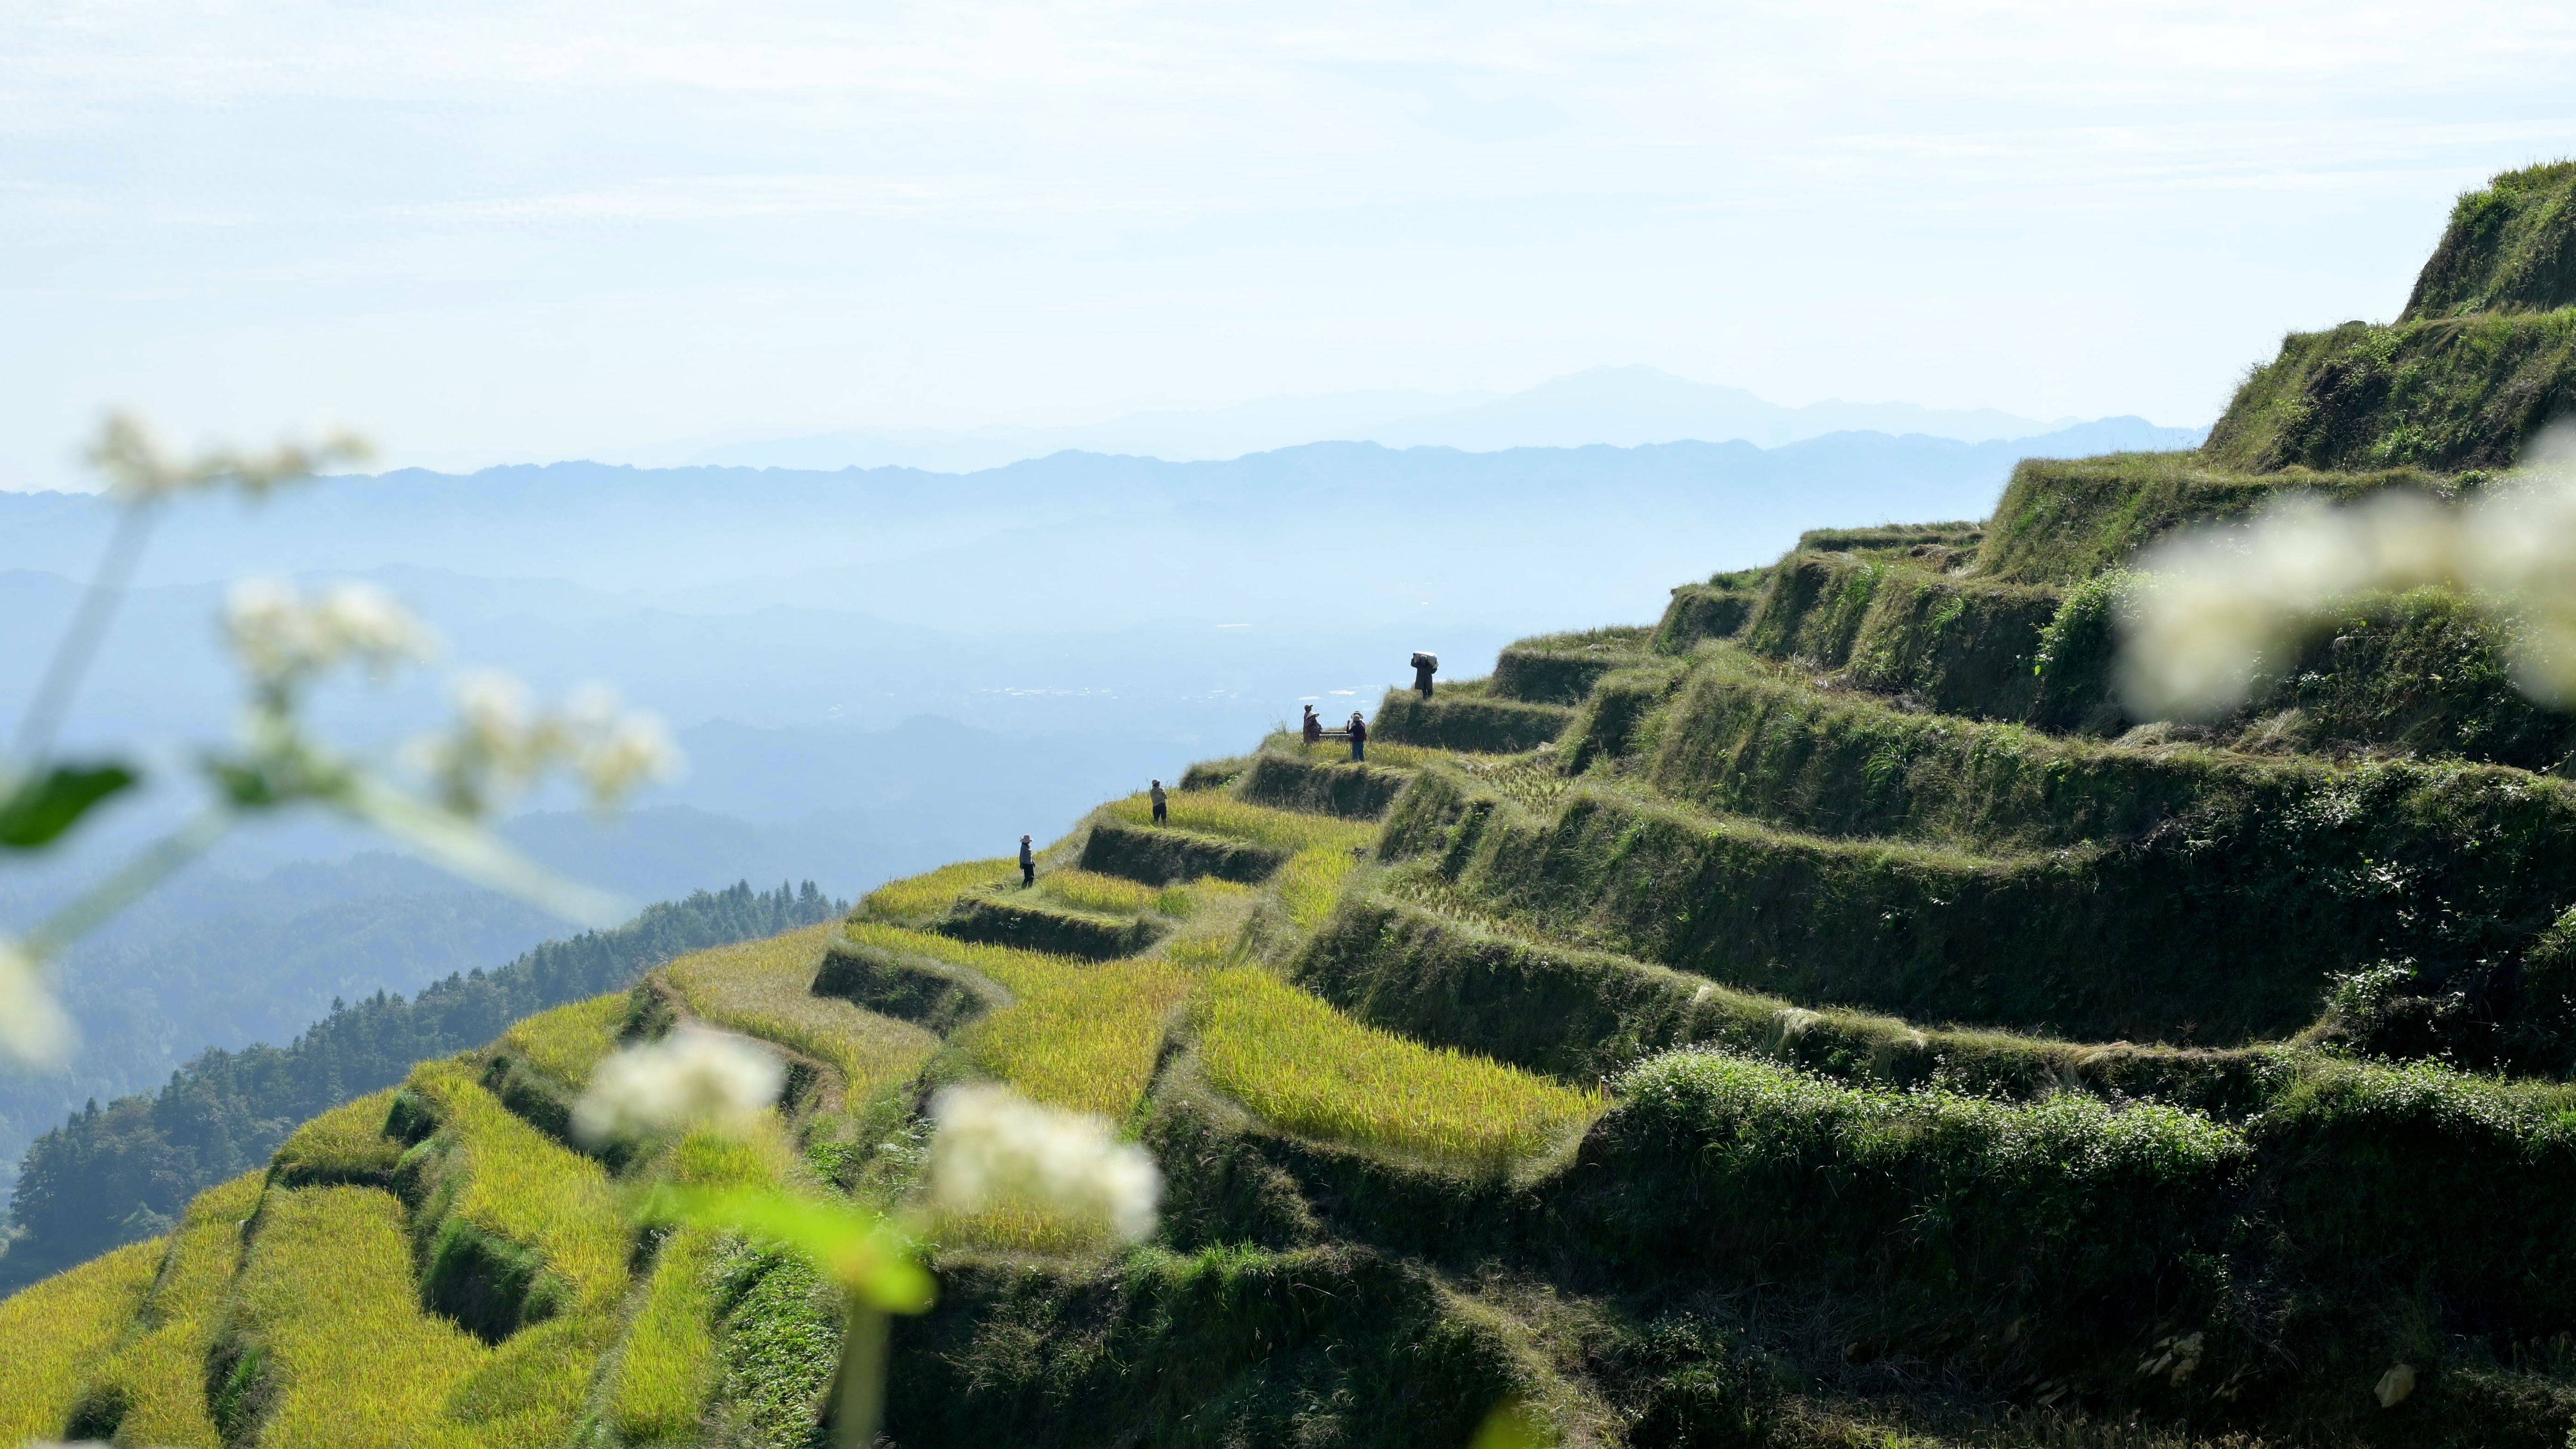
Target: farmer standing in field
[1161,812]
[1028,864]
[1424,666]
[1313,727]
[1359,737]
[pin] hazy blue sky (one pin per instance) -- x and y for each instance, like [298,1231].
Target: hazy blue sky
[523,230]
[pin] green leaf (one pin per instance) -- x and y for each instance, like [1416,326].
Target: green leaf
[44,806]
[863,1252]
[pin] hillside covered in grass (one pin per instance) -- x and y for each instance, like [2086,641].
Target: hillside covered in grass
[1821,1018]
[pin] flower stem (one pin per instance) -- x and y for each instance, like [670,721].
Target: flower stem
[859,1398]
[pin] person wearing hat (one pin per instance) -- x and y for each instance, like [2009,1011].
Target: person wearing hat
[1359,737]
[1162,813]
[1028,864]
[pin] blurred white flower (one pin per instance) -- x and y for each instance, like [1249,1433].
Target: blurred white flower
[693,1077]
[501,742]
[33,1026]
[139,471]
[996,1149]
[2214,606]
[281,637]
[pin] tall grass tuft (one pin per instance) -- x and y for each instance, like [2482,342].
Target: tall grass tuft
[1313,1071]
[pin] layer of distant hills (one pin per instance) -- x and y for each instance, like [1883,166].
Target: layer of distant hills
[1618,406]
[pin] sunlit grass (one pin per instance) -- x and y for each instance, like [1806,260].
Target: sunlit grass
[52,1332]
[567,1042]
[765,989]
[161,1370]
[327,1295]
[656,1389]
[1211,813]
[1113,895]
[928,896]
[346,1144]
[1077,1035]
[1311,1070]
[1310,883]
[520,1184]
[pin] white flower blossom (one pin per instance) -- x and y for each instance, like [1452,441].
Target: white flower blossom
[501,742]
[281,637]
[33,1026]
[693,1077]
[996,1149]
[2215,606]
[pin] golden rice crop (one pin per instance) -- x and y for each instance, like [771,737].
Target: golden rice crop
[522,1185]
[765,988]
[1311,1070]
[346,1144]
[327,1295]
[161,1370]
[567,1042]
[1108,894]
[57,1329]
[531,1391]
[657,1388]
[1310,883]
[1211,813]
[1077,1035]
[929,895]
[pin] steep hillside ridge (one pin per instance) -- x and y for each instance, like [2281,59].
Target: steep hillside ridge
[2483,357]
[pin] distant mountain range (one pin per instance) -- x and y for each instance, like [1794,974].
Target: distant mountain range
[1622,407]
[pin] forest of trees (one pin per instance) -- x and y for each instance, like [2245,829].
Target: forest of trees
[122,1172]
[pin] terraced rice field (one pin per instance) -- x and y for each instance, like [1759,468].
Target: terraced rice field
[1307,1068]
[1077,1035]
[764,989]
[567,1042]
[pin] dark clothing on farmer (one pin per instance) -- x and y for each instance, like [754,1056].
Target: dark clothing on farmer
[1160,814]
[1422,679]
[1028,865]
[1359,738]
[1314,725]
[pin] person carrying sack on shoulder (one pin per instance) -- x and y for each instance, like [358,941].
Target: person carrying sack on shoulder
[1313,727]
[1028,864]
[1161,813]
[1424,666]
[1359,737]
